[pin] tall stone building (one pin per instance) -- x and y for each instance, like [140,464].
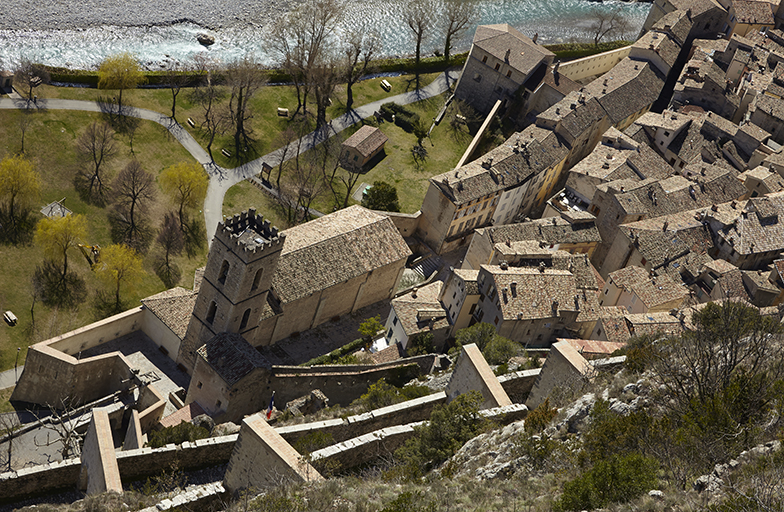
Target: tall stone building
[236,286]
[267,286]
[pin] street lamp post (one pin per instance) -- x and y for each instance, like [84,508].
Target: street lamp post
[16,375]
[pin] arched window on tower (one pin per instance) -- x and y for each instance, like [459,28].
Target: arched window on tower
[256,279]
[211,312]
[223,272]
[245,317]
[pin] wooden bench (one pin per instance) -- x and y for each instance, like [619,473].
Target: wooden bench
[386,85]
[226,153]
[283,112]
[190,122]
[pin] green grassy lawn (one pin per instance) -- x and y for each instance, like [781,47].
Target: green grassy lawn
[243,195]
[49,143]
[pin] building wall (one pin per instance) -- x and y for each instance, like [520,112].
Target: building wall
[393,330]
[473,373]
[563,367]
[160,334]
[598,64]
[480,250]
[509,203]
[262,458]
[437,214]
[406,223]
[89,336]
[99,471]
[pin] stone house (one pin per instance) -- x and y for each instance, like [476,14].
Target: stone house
[359,149]
[506,182]
[658,48]
[418,312]
[640,292]
[749,16]
[761,181]
[553,88]
[574,232]
[620,326]
[708,17]
[703,83]
[753,236]
[500,62]
[268,285]
[460,297]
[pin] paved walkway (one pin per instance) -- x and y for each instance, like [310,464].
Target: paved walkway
[221,179]
[8,377]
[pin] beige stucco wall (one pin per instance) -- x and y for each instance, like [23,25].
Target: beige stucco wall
[92,335]
[594,65]
[160,334]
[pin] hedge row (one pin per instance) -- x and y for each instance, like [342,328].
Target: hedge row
[570,51]
[157,78]
[336,354]
[403,117]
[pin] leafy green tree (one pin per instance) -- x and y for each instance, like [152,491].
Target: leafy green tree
[481,334]
[499,350]
[381,394]
[57,236]
[121,71]
[381,196]
[186,185]
[421,343]
[19,189]
[370,327]
[449,428]
[120,270]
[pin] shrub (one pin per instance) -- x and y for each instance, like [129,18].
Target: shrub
[421,343]
[409,502]
[499,350]
[618,479]
[382,394]
[449,428]
[538,419]
[177,434]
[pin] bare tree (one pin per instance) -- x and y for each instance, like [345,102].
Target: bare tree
[303,40]
[133,189]
[244,77]
[175,77]
[171,240]
[9,423]
[62,423]
[418,15]
[360,48]
[284,141]
[607,24]
[28,76]
[25,119]
[96,145]
[324,78]
[209,95]
[457,17]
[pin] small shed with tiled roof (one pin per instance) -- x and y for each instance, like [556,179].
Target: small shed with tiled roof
[359,149]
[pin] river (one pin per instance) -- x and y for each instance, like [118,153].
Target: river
[84,47]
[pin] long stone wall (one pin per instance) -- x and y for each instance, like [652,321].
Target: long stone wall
[519,384]
[368,447]
[594,65]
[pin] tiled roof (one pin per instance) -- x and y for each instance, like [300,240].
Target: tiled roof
[664,46]
[536,294]
[524,54]
[720,266]
[231,357]
[697,7]
[576,113]
[653,323]
[553,230]
[760,280]
[614,324]
[366,140]
[760,228]
[389,354]
[334,249]
[560,82]
[627,88]
[590,348]
[731,285]
[675,22]
[409,309]
[652,291]
[684,235]
[173,307]
[469,278]
[753,13]
[773,107]
[522,156]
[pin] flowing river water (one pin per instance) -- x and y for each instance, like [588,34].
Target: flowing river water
[77,46]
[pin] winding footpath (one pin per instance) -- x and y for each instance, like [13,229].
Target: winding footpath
[222,179]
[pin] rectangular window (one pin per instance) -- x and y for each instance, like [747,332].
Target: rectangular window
[484,59]
[394,320]
[508,73]
[497,66]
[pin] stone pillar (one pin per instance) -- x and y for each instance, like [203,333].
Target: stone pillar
[262,458]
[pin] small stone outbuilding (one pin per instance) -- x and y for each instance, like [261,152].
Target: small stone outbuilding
[359,149]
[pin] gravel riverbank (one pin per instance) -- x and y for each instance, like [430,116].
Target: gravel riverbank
[74,14]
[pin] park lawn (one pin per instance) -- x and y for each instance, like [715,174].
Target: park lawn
[49,143]
[244,195]
[265,124]
[445,147]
